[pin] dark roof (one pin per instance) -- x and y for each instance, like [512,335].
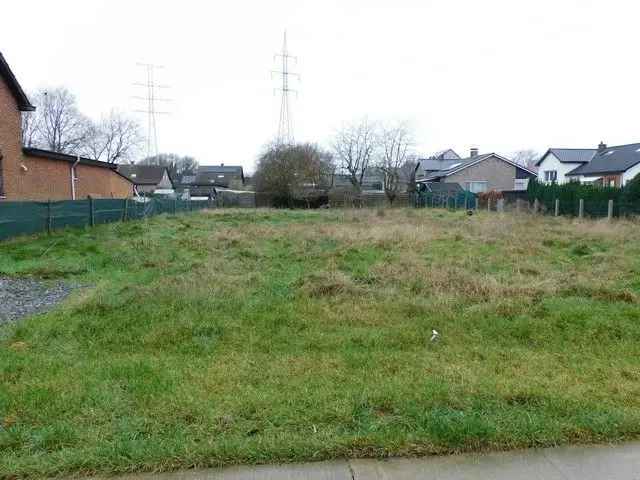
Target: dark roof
[36,152]
[232,170]
[433,165]
[610,160]
[570,155]
[16,90]
[467,162]
[143,174]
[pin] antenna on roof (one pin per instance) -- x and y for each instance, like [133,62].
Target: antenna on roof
[151,111]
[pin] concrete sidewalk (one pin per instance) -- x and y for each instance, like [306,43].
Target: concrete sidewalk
[620,462]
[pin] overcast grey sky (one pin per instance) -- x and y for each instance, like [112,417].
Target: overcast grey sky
[501,75]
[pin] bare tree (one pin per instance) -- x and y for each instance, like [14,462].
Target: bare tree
[408,172]
[395,144]
[527,158]
[177,165]
[354,146]
[30,129]
[294,172]
[115,138]
[59,125]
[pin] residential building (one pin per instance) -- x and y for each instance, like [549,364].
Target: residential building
[437,162]
[610,166]
[148,179]
[483,172]
[35,174]
[227,176]
[557,163]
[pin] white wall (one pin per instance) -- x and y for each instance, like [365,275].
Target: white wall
[551,162]
[630,174]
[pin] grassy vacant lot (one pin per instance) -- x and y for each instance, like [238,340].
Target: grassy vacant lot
[241,336]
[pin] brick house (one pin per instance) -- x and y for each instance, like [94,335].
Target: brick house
[34,174]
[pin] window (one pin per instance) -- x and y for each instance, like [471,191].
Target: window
[551,176]
[477,187]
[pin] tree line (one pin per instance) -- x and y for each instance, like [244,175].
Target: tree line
[356,149]
[58,125]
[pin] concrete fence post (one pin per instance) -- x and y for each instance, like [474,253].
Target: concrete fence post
[610,210]
[125,210]
[488,204]
[500,205]
[517,205]
[49,220]
[536,206]
[581,208]
[92,220]
[557,207]
[477,204]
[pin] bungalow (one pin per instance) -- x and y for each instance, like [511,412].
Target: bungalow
[482,173]
[34,174]
[148,179]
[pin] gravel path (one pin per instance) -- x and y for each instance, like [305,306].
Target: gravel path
[21,297]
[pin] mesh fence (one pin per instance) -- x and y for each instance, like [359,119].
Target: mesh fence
[24,218]
[463,200]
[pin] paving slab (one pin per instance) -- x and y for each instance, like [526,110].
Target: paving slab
[338,470]
[612,462]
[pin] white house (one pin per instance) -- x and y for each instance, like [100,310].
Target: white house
[556,163]
[610,166]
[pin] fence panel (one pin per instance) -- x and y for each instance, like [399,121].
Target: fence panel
[24,218]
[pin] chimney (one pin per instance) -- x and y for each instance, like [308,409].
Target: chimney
[602,147]
[222,164]
[474,152]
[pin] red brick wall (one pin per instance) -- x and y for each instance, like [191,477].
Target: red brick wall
[10,138]
[34,178]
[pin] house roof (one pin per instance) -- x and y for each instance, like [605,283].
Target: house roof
[433,165]
[16,90]
[439,161]
[468,162]
[221,170]
[570,155]
[144,174]
[610,160]
[36,152]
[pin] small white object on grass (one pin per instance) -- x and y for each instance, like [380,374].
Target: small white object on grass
[434,335]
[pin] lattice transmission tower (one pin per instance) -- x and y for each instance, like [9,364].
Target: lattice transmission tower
[285,125]
[151,110]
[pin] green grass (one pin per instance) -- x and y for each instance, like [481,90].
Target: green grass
[261,336]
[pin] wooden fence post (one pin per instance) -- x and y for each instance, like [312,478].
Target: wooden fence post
[49,220]
[581,208]
[610,210]
[92,220]
[557,207]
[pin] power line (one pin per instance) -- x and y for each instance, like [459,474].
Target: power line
[285,125]
[151,110]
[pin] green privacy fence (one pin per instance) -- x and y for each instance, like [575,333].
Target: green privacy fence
[23,218]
